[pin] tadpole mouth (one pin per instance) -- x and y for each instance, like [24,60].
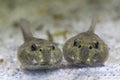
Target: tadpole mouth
[44,63]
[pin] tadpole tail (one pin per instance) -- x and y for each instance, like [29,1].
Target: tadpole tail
[49,35]
[25,27]
[93,24]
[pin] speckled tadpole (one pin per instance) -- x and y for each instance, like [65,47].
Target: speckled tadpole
[86,49]
[37,53]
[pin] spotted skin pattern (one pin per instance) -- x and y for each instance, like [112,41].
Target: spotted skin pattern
[86,49]
[37,53]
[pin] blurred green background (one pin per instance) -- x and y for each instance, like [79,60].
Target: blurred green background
[54,11]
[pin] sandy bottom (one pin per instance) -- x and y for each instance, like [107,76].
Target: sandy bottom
[11,38]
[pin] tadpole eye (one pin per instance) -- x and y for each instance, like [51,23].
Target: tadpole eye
[96,44]
[90,47]
[53,47]
[79,46]
[33,47]
[75,42]
[41,49]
